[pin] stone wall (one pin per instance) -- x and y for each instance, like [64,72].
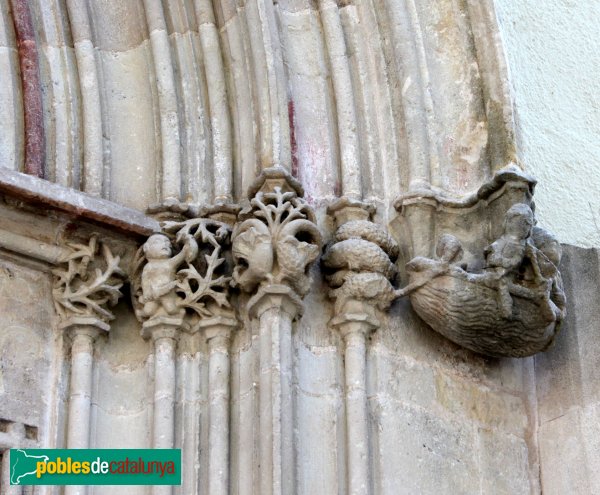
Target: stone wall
[30,353]
[567,386]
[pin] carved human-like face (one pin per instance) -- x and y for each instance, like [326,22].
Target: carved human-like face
[157,247]
[519,221]
[449,249]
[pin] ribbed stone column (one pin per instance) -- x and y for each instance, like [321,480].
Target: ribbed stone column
[354,329]
[275,307]
[164,332]
[83,333]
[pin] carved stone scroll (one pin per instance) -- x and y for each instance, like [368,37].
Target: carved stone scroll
[273,248]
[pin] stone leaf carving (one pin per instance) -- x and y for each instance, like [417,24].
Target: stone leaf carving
[89,281]
[359,266]
[276,242]
[191,283]
[511,308]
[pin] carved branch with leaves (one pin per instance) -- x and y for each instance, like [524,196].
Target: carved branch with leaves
[90,281]
[198,277]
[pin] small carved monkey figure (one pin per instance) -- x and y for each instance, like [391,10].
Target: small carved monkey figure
[506,254]
[159,276]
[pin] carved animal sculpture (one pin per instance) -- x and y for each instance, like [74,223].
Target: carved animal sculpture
[372,288]
[369,231]
[252,251]
[360,256]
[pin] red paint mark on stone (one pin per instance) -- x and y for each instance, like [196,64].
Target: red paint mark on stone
[337,190]
[32,89]
[293,143]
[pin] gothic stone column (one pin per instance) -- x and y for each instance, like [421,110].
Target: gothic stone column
[84,286]
[273,246]
[188,292]
[359,266]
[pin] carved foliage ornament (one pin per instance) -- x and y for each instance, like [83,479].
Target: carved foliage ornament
[191,283]
[89,281]
[276,241]
[511,308]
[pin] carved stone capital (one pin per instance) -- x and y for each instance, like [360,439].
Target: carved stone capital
[86,283]
[512,307]
[346,209]
[277,238]
[355,323]
[162,326]
[218,327]
[84,325]
[182,273]
[359,262]
[276,296]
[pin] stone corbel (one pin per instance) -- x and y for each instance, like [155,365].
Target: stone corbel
[188,292]
[273,246]
[86,283]
[493,285]
[359,265]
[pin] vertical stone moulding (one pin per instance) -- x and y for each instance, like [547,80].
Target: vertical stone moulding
[217,330]
[273,245]
[358,266]
[188,292]
[84,286]
[13,435]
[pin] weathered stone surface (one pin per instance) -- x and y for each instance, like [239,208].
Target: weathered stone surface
[183,104]
[505,464]
[75,203]
[567,384]
[28,347]
[419,452]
